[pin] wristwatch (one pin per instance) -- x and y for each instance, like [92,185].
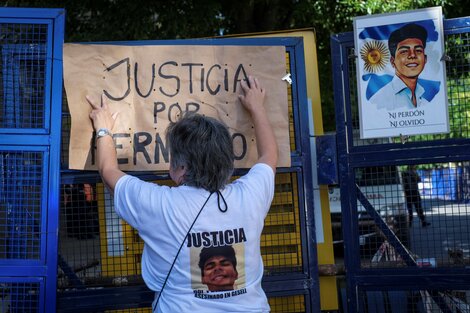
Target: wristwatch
[103,132]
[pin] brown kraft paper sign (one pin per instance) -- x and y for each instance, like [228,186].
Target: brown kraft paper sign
[151,86]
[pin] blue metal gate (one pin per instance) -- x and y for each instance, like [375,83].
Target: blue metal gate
[30,128]
[99,268]
[399,258]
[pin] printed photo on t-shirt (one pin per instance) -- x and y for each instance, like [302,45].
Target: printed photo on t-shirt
[217,265]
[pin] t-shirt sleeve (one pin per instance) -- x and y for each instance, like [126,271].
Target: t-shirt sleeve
[132,197]
[259,184]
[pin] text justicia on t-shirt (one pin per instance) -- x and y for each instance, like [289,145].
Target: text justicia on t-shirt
[216,238]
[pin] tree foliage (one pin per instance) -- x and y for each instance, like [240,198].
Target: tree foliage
[109,20]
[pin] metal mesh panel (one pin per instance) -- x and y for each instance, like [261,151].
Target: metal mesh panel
[458,87]
[457,47]
[19,297]
[426,206]
[23,72]
[79,241]
[98,249]
[280,242]
[20,214]
[383,189]
[415,301]
[288,304]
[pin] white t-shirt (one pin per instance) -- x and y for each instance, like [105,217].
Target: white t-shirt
[163,215]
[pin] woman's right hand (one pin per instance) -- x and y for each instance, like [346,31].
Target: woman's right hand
[100,114]
[253,95]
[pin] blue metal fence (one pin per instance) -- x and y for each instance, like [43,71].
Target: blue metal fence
[30,105]
[421,257]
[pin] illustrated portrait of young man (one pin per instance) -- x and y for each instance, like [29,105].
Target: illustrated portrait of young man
[407,48]
[218,268]
[401,73]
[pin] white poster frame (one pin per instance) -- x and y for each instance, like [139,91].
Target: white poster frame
[387,107]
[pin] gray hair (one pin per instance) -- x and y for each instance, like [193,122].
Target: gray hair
[202,145]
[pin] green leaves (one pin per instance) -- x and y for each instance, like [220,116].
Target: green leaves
[107,20]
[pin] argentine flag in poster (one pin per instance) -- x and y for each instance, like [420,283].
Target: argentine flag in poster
[401,73]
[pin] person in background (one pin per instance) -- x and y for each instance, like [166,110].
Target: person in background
[413,198]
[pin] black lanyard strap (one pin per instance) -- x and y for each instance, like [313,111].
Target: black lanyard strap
[182,243]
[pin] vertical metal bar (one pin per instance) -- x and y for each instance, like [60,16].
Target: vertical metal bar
[54,102]
[338,53]
[309,245]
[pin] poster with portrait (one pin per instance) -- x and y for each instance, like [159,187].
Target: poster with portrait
[401,75]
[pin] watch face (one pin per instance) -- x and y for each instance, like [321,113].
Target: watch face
[102,132]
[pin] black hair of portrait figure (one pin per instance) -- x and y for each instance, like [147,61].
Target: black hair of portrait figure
[218,268]
[408,31]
